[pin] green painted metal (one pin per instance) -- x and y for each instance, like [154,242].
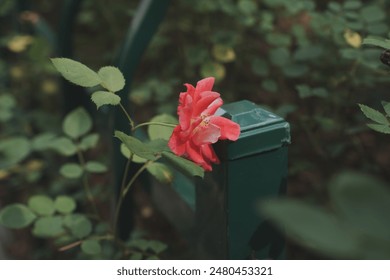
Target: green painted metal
[252,168]
[64,48]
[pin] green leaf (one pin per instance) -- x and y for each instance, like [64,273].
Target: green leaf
[312,227]
[278,39]
[16,216]
[141,96]
[260,67]
[279,56]
[188,167]
[136,146]
[386,106]
[63,146]
[223,53]
[157,246]
[159,131]
[295,70]
[269,85]
[43,141]
[153,258]
[352,5]
[158,145]
[101,98]
[140,244]
[382,128]
[364,202]
[89,141]
[7,101]
[126,153]
[136,256]
[71,170]
[77,123]
[95,167]
[42,205]
[13,150]
[161,172]
[374,115]
[247,6]
[91,247]
[79,225]
[376,41]
[65,204]
[76,72]
[213,69]
[372,13]
[112,78]
[334,6]
[48,226]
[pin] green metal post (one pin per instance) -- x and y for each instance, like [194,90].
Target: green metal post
[252,168]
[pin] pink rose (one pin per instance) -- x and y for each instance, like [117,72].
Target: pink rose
[198,127]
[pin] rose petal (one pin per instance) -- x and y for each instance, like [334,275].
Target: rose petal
[209,154]
[184,110]
[176,143]
[229,129]
[206,166]
[206,134]
[203,85]
[213,107]
[193,152]
[206,98]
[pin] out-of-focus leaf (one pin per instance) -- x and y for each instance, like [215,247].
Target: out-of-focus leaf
[16,216]
[312,227]
[213,69]
[95,167]
[65,204]
[43,141]
[64,146]
[91,247]
[79,225]
[377,41]
[71,170]
[41,204]
[13,150]
[77,123]
[364,202]
[48,226]
[89,141]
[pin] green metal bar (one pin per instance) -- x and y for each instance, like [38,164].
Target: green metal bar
[68,17]
[64,48]
[252,168]
[141,30]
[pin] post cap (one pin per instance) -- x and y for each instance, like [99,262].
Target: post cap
[261,130]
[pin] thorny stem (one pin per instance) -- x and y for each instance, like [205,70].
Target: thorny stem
[122,194]
[86,185]
[127,116]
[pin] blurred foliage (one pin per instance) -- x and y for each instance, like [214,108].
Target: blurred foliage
[353,225]
[303,59]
